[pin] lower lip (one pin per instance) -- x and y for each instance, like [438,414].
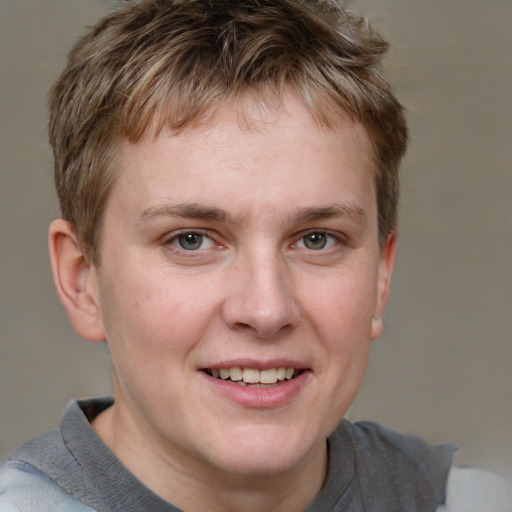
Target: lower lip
[260,398]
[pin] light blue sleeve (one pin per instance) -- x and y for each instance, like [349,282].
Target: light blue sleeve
[477,490]
[25,489]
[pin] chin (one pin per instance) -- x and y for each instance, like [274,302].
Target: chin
[266,451]
[258,464]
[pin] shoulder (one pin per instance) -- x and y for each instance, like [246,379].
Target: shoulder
[34,477]
[477,490]
[381,441]
[23,488]
[408,472]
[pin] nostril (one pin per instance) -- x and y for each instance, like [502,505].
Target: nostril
[241,326]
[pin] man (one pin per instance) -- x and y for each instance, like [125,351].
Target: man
[228,178]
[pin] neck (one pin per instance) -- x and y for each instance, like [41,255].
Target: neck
[288,492]
[195,486]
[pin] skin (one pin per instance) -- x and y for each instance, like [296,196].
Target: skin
[255,291]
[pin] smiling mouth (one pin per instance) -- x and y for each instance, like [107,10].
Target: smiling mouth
[254,377]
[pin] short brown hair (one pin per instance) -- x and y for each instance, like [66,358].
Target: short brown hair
[179,60]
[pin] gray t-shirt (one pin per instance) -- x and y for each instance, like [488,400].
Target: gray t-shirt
[70,469]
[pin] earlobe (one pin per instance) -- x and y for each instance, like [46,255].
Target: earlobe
[76,281]
[386,264]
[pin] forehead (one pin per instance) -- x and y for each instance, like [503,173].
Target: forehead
[272,155]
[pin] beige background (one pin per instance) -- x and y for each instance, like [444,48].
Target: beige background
[442,370]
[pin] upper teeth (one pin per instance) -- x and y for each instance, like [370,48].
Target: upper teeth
[254,376]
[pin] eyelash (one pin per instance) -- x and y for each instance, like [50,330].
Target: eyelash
[332,240]
[175,239]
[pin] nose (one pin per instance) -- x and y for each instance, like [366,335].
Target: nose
[260,296]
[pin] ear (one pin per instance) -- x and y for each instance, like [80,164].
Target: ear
[76,281]
[386,264]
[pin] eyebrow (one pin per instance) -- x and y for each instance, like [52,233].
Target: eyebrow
[212,213]
[185,210]
[330,212]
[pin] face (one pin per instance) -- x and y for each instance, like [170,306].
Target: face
[240,283]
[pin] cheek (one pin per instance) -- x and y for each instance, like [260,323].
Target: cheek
[151,330]
[341,316]
[342,305]
[146,316]
[344,329]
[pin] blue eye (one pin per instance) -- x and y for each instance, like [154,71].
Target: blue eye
[192,241]
[317,241]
